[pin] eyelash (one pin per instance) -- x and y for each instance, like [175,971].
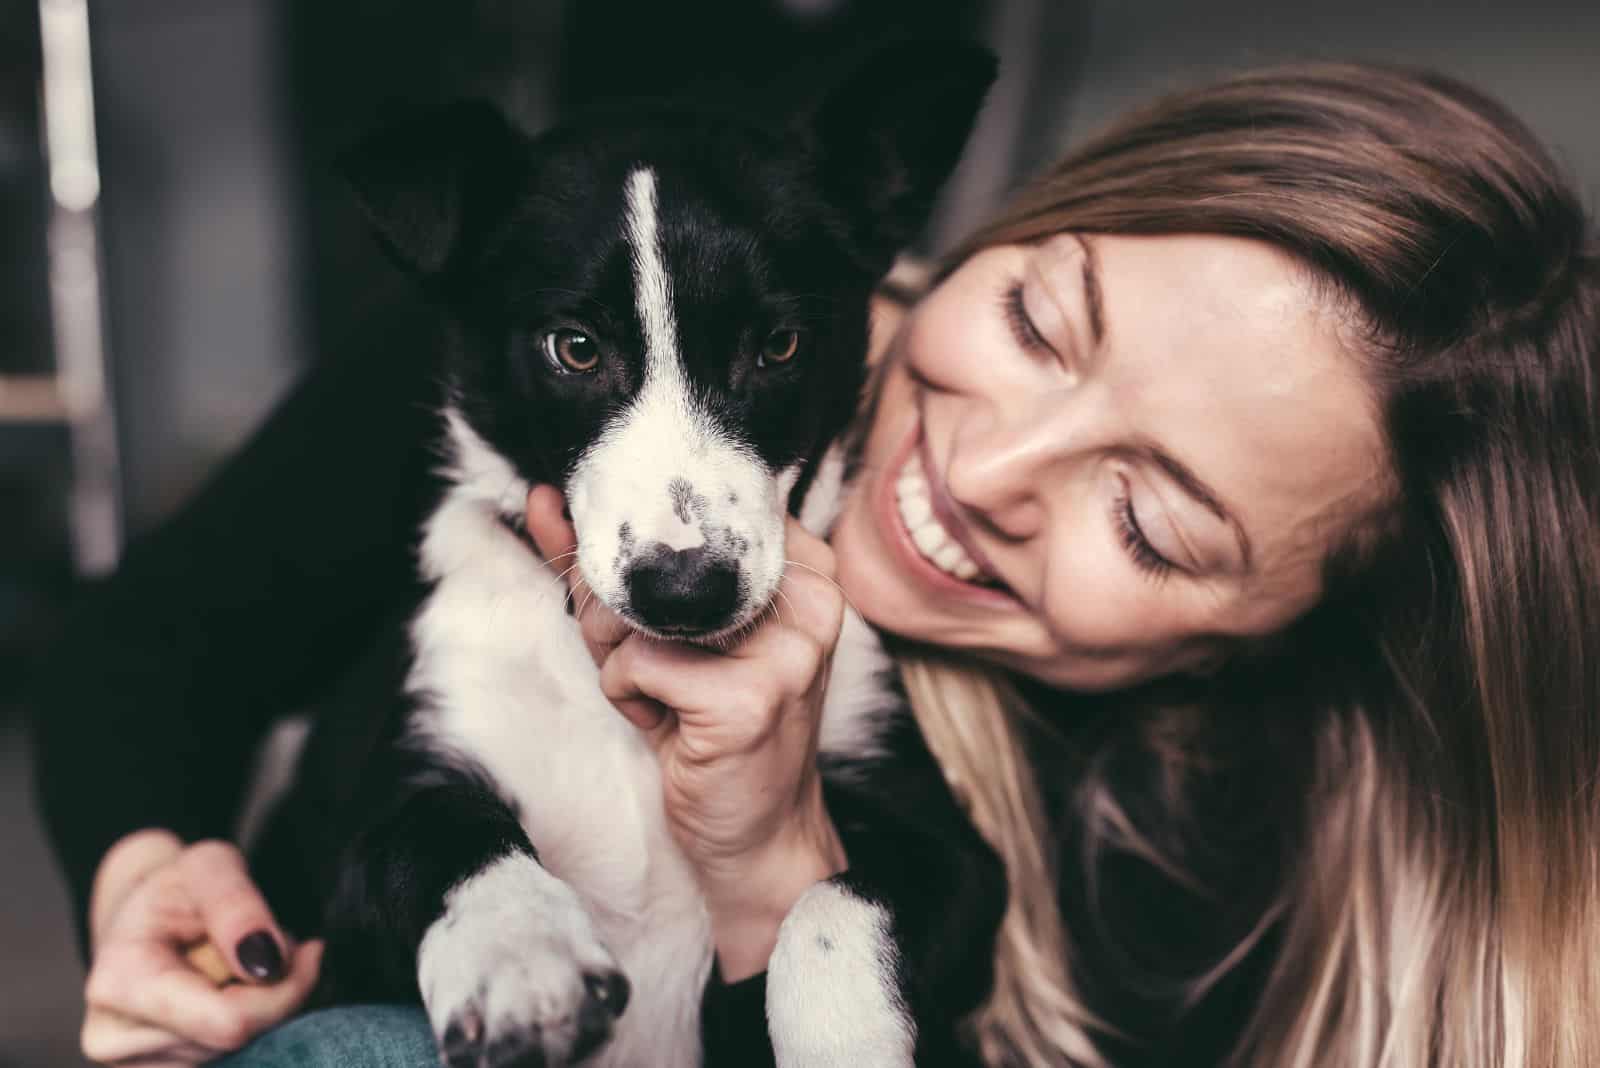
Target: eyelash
[1144,554]
[1016,314]
[1138,546]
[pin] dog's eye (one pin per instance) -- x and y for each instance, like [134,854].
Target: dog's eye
[571,350]
[779,347]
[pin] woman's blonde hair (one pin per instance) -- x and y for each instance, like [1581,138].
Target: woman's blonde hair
[970,717]
[1437,900]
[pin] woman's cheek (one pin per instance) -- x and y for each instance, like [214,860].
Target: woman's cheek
[1096,599]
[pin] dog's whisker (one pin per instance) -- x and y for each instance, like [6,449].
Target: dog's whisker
[743,631]
[829,580]
[573,592]
[786,601]
[566,598]
[752,625]
[761,616]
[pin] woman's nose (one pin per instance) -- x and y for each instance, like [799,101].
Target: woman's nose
[995,473]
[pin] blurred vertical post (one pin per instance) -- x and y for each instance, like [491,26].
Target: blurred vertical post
[77,310]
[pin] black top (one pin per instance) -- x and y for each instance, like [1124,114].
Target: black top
[247,606]
[264,595]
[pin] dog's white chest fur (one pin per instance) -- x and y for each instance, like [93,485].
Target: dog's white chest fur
[503,679]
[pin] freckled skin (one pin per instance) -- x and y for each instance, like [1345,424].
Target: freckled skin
[682,495]
[625,543]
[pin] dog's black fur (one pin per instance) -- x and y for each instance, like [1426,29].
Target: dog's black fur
[759,232]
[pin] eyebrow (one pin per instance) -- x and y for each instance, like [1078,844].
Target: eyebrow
[1191,484]
[1092,297]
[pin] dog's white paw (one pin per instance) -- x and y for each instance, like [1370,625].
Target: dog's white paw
[512,972]
[832,996]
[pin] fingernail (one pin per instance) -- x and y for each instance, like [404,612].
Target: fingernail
[260,956]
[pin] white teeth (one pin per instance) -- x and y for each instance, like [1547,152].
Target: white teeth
[915,511]
[929,537]
[933,541]
[912,483]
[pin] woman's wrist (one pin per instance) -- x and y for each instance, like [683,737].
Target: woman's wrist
[125,865]
[749,899]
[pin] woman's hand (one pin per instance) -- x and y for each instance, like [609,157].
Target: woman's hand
[735,731]
[154,898]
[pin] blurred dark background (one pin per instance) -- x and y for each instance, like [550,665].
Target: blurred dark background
[174,249]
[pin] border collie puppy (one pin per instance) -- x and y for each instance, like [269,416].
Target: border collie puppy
[664,313]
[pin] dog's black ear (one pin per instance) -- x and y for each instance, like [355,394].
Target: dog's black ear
[432,186]
[890,134]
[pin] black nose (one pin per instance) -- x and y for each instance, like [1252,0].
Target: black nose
[688,590]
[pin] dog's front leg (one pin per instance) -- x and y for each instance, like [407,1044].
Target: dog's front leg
[881,964]
[508,964]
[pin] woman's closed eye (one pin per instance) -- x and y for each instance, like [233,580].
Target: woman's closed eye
[1144,555]
[1023,328]
[1037,322]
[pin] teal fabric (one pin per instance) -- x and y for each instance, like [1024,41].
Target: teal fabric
[357,1036]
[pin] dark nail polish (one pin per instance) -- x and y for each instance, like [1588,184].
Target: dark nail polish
[260,956]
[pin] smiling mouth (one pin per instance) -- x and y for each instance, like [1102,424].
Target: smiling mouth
[932,540]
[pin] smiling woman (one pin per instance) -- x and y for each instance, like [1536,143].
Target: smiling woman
[1262,431]
[1102,459]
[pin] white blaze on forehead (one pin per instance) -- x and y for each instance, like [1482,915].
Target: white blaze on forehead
[652,285]
[663,418]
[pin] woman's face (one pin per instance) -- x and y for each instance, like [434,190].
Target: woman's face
[1095,460]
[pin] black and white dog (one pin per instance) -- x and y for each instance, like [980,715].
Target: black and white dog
[664,313]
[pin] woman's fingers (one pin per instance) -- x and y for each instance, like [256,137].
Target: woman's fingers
[642,711]
[603,630]
[128,863]
[802,545]
[234,913]
[148,984]
[549,527]
[264,1006]
[643,672]
[111,1038]
[809,596]
[729,703]
[144,1001]
[147,999]
[553,533]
